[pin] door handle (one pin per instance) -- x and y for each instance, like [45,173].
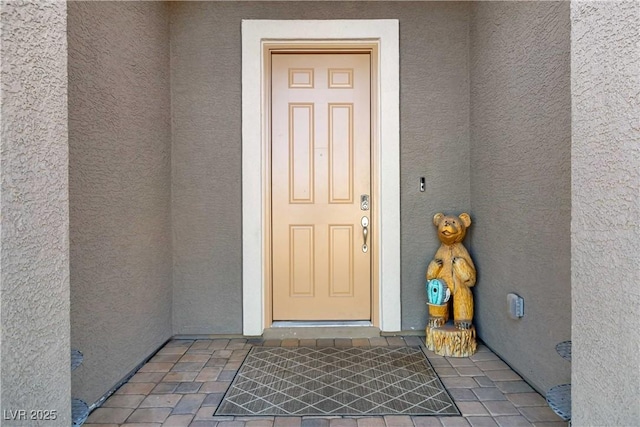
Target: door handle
[365,232]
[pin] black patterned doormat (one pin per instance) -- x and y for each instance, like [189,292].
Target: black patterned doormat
[336,381]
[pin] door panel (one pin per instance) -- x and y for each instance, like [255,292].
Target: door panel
[321,138]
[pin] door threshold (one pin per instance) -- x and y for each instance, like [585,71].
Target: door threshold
[320,324]
[321,330]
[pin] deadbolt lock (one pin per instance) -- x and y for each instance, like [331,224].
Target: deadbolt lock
[364,202]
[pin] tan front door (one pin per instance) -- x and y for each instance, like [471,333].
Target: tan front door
[321,138]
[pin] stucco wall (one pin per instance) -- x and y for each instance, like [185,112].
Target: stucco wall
[605,230]
[120,182]
[521,182]
[34,248]
[206,156]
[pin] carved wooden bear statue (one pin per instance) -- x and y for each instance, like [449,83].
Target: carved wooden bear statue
[453,264]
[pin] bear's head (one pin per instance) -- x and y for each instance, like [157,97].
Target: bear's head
[451,229]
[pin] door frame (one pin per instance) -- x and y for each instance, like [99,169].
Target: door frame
[259,37]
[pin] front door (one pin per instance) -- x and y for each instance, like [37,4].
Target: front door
[321,217]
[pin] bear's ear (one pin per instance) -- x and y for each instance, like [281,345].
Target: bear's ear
[466,219]
[436,218]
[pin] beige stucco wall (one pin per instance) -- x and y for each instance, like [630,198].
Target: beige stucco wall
[120,174]
[521,182]
[34,248]
[206,109]
[605,230]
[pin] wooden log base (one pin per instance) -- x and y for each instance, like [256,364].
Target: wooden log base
[447,340]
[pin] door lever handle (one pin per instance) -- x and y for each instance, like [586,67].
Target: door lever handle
[365,232]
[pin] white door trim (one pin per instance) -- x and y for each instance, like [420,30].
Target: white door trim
[254,34]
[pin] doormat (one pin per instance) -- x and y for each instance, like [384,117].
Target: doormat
[304,381]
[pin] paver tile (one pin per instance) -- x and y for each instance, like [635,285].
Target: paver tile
[498,407]
[201,344]
[413,340]
[123,401]
[378,341]
[146,377]
[109,415]
[343,342]
[272,343]
[526,399]
[165,358]
[478,357]
[396,341]
[189,404]
[191,358]
[178,377]
[189,387]
[227,375]
[454,422]
[398,421]
[204,413]
[173,350]
[287,421]
[225,354]
[512,421]
[484,382]
[482,422]
[360,342]
[219,344]
[208,374]
[231,424]
[259,423]
[503,375]
[204,423]
[492,365]
[136,388]
[463,394]
[156,367]
[165,388]
[215,386]
[343,422]
[324,342]
[236,343]
[141,425]
[188,366]
[513,387]
[370,422]
[469,409]
[314,422]
[426,422]
[178,421]
[232,364]
[460,361]
[440,362]
[149,415]
[469,371]
[488,393]
[161,401]
[459,382]
[239,355]
[539,413]
[291,342]
[213,399]
[217,361]
[446,372]
[307,343]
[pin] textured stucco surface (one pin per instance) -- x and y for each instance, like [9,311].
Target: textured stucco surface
[206,154]
[120,174]
[34,249]
[521,182]
[605,228]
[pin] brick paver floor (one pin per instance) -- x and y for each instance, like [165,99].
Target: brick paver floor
[183,384]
